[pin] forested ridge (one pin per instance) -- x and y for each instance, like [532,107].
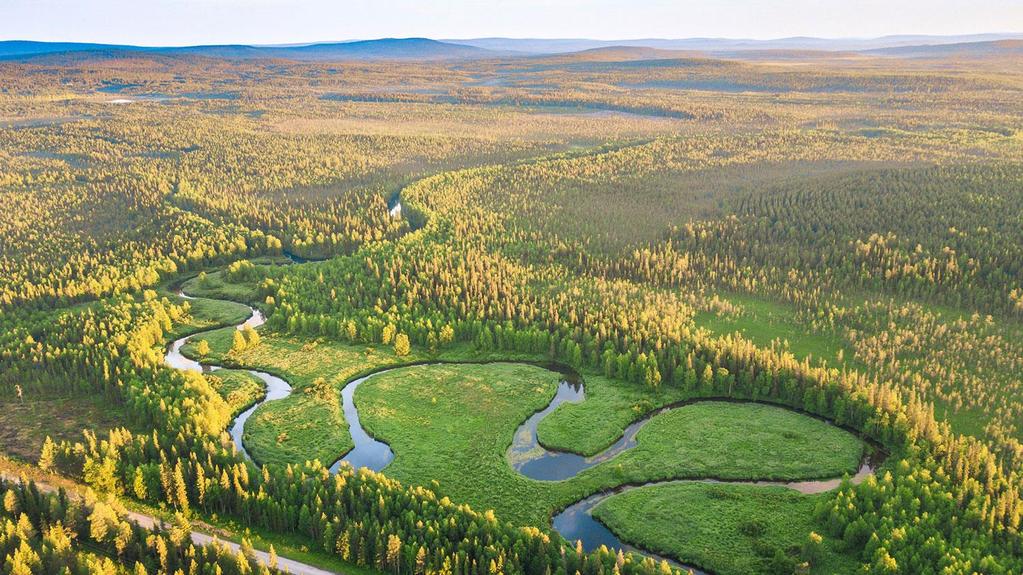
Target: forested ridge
[610,230]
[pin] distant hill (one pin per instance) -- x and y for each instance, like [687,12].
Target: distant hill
[625,54]
[381,49]
[384,49]
[581,50]
[962,50]
[20,48]
[715,45]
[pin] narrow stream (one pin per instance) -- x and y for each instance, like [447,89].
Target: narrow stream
[576,522]
[533,460]
[368,452]
[525,454]
[276,388]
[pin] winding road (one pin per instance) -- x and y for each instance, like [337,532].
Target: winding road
[525,454]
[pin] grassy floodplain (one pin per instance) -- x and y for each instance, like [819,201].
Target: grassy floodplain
[727,529]
[443,419]
[205,314]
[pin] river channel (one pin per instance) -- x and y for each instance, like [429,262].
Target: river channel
[525,454]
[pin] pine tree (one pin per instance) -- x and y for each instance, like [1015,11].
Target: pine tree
[238,342]
[47,455]
[401,345]
[180,489]
[202,348]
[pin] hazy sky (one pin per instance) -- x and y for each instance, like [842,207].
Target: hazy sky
[177,22]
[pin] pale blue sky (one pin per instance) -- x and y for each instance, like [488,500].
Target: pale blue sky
[178,22]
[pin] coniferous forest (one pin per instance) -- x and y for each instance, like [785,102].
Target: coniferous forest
[616,312]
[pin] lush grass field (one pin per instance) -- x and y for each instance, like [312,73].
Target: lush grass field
[301,427]
[206,314]
[764,321]
[453,424]
[735,441]
[727,529]
[592,425]
[308,424]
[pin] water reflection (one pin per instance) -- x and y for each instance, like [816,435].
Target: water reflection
[368,452]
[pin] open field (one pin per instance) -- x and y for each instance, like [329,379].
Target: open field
[206,314]
[440,420]
[764,322]
[724,528]
[25,424]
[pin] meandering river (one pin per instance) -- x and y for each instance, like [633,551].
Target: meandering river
[525,454]
[368,452]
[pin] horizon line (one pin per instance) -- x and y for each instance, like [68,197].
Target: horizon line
[526,38]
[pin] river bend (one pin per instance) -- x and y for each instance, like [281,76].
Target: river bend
[525,454]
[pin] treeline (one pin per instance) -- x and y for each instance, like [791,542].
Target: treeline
[47,532]
[363,517]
